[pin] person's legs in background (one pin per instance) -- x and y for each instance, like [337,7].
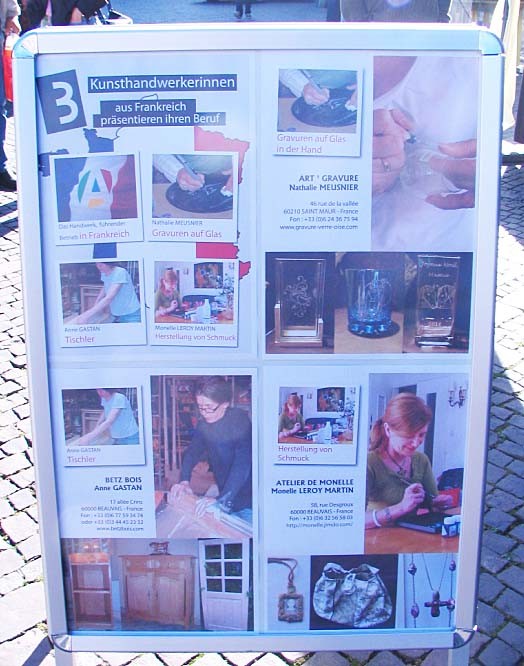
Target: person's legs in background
[239,10]
[7,182]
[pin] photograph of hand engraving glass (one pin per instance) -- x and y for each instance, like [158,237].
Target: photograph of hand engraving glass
[424,189]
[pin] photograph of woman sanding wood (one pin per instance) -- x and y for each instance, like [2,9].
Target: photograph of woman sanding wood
[207,489]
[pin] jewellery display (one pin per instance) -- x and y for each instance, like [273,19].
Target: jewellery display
[435,604]
[290,603]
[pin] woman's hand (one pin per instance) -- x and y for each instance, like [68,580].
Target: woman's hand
[442,502]
[189,183]
[178,491]
[76,16]
[461,170]
[315,96]
[413,497]
[205,504]
[391,130]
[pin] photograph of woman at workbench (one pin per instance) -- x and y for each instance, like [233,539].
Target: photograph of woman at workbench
[195,292]
[415,461]
[105,292]
[202,443]
[317,425]
[99,421]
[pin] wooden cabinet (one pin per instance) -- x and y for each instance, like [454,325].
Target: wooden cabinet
[159,588]
[91,589]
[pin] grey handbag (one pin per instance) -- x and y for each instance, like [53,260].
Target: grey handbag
[355,598]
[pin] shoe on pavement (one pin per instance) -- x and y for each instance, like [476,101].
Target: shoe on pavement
[238,16]
[7,182]
[249,17]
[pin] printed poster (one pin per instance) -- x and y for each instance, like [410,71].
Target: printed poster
[258,317]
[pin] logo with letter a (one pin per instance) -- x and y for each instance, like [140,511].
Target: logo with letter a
[61,101]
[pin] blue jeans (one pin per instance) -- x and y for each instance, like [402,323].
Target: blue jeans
[3,118]
[130,439]
[130,318]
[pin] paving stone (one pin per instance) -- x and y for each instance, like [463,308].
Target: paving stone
[244,658]
[24,478]
[19,526]
[497,519]
[11,581]
[32,571]
[29,649]
[488,619]
[502,500]
[511,484]
[33,512]
[8,432]
[5,509]
[513,635]
[498,652]
[410,655]
[176,658]
[269,659]
[518,532]
[385,658]
[436,658]
[6,488]
[360,656]
[489,587]
[30,548]
[511,603]
[21,610]
[477,643]
[501,413]
[17,445]
[517,555]
[212,659]
[10,560]
[326,659]
[516,405]
[22,499]
[147,660]
[512,446]
[83,659]
[6,388]
[13,464]
[517,467]
[117,659]
[497,542]
[494,473]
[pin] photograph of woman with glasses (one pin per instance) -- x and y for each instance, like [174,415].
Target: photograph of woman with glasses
[222,437]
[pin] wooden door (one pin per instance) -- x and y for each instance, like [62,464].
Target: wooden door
[139,594]
[171,599]
[224,584]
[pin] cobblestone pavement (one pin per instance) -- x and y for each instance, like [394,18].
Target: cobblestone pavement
[500,639]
